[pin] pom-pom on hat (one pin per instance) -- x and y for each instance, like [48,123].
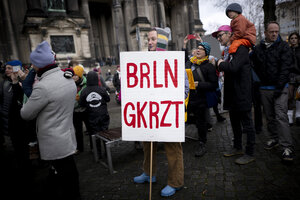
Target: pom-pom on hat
[42,55]
[162,38]
[222,28]
[234,7]
[14,63]
[206,47]
[78,70]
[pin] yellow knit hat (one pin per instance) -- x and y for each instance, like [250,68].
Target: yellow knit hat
[78,70]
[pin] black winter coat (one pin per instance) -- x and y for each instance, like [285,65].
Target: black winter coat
[11,99]
[296,69]
[94,98]
[273,65]
[197,96]
[237,81]
[116,81]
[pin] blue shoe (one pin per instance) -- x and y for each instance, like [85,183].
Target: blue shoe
[168,191]
[143,178]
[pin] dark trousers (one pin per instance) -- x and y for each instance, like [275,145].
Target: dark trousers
[258,123]
[200,119]
[97,123]
[65,178]
[241,122]
[78,118]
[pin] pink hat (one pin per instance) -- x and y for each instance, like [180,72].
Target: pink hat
[221,28]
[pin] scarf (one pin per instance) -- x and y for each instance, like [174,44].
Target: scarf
[41,71]
[197,61]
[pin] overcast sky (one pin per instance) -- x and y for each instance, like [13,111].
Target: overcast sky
[211,16]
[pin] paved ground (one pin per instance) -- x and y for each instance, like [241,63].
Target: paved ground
[210,177]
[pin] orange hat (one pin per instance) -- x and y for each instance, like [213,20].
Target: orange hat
[78,70]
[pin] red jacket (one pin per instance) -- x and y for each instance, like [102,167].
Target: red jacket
[243,29]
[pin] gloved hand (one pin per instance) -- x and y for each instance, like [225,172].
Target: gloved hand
[277,93]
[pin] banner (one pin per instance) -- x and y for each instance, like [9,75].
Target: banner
[152,88]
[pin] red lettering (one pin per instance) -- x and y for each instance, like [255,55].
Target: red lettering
[154,113]
[162,122]
[156,85]
[132,75]
[168,70]
[140,115]
[177,103]
[145,75]
[132,122]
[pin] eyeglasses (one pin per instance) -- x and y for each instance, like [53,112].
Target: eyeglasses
[220,35]
[201,49]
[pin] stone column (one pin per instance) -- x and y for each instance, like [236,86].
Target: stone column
[191,16]
[72,7]
[104,37]
[196,9]
[33,4]
[86,14]
[161,13]
[10,31]
[128,17]
[191,20]
[141,25]
[119,27]
[198,26]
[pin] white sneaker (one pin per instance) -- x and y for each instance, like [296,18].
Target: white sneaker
[287,154]
[290,116]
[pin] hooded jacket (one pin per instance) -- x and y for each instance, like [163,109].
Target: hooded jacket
[94,97]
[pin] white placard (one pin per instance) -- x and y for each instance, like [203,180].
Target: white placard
[152,96]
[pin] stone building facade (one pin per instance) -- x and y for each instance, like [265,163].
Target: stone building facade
[91,30]
[288,16]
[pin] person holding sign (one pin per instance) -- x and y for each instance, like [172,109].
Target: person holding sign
[158,41]
[203,78]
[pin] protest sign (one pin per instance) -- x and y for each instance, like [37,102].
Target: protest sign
[152,88]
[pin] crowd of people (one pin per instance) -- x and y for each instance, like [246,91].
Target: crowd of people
[47,105]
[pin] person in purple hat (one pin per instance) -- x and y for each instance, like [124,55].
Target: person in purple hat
[51,103]
[237,95]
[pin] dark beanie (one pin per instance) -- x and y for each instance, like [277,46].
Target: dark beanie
[234,7]
[206,47]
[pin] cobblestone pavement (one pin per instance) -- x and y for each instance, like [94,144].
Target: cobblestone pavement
[210,177]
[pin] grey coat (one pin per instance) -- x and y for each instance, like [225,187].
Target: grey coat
[52,102]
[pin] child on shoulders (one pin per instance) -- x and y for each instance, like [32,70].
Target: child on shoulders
[244,32]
